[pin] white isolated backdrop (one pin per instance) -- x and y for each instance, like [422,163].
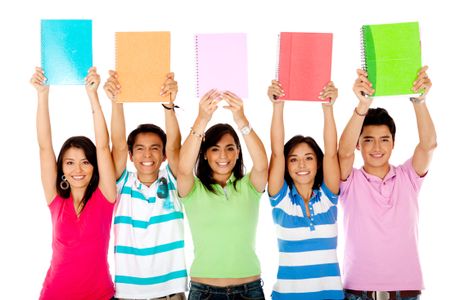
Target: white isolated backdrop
[25,227]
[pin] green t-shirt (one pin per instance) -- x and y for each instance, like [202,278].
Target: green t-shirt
[223,228]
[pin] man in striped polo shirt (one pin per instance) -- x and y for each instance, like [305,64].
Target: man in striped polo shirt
[148,222]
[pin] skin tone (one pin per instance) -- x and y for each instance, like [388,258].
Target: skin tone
[376,142]
[221,158]
[147,153]
[302,161]
[76,168]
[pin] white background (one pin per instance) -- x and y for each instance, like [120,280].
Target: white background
[25,228]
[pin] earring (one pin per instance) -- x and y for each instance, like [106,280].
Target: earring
[64,184]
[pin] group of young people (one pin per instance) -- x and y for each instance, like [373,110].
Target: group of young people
[88,187]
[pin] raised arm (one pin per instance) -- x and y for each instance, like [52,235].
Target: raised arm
[173,144]
[427,133]
[259,172]
[107,182]
[350,135]
[44,135]
[118,134]
[191,147]
[277,159]
[331,171]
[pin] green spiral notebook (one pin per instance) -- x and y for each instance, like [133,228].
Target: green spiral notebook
[391,55]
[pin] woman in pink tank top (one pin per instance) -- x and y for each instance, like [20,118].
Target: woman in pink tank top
[80,190]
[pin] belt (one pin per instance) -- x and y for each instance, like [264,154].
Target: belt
[392,294]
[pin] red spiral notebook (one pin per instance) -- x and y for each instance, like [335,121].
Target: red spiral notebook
[304,64]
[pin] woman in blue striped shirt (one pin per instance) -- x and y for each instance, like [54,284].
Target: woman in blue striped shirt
[303,190]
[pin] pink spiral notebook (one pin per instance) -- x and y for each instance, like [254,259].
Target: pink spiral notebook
[222,63]
[304,64]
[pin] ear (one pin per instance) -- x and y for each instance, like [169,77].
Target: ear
[358,146]
[164,157]
[131,156]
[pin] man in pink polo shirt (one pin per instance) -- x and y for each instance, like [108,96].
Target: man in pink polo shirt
[380,201]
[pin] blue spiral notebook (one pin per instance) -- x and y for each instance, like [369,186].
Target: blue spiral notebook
[66,50]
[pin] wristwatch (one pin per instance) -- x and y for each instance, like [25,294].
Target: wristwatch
[246,129]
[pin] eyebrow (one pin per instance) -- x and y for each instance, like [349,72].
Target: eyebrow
[306,154]
[152,145]
[372,137]
[217,145]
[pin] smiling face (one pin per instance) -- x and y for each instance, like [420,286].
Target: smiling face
[376,144]
[147,156]
[76,168]
[222,157]
[302,164]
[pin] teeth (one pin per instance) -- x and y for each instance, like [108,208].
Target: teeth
[77,177]
[377,155]
[303,173]
[222,164]
[147,164]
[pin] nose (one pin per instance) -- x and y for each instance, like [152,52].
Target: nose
[301,163]
[222,153]
[376,145]
[147,153]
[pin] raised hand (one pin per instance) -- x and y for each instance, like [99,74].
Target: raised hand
[170,88]
[92,81]
[112,86]
[329,92]
[208,105]
[362,87]
[275,91]
[38,81]
[422,83]
[236,106]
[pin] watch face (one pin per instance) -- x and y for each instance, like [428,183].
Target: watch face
[245,130]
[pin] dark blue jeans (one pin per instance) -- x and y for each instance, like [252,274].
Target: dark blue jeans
[349,296]
[249,291]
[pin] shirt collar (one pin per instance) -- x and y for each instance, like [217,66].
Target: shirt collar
[314,195]
[372,178]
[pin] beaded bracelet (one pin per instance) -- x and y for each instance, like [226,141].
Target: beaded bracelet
[169,108]
[199,135]
[359,114]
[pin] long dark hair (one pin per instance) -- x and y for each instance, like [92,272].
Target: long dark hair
[291,144]
[85,144]
[212,137]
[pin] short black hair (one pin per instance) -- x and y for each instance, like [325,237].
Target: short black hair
[379,116]
[146,128]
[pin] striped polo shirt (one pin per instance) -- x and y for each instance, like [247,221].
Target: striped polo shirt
[149,238]
[308,265]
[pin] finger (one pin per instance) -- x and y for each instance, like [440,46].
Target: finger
[360,72]
[206,97]
[231,94]
[113,73]
[171,75]
[423,69]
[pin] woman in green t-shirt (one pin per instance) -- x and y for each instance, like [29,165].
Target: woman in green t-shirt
[221,202]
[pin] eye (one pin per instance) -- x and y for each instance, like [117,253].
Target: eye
[139,148]
[309,158]
[155,148]
[385,140]
[69,162]
[293,160]
[367,141]
[231,149]
[86,162]
[214,149]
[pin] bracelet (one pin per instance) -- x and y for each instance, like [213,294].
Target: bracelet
[170,108]
[199,135]
[246,129]
[359,114]
[416,100]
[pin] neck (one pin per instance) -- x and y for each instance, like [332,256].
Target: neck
[305,190]
[147,179]
[221,179]
[379,172]
[77,194]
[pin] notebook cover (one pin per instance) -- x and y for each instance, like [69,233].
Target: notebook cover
[66,50]
[222,63]
[392,57]
[304,64]
[142,64]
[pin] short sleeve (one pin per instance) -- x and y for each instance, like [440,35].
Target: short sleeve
[121,181]
[275,199]
[195,188]
[414,178]
[245,181]
[345,184]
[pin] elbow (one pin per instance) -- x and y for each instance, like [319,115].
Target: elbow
[429,146]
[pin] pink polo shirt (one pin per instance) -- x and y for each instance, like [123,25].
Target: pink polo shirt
[381,230]
[79,267]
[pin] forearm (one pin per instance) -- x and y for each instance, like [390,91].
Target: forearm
[191,147]
[118,135]
[277,130]
[44,132]
[425,126]
[100,129]
[329,132]
[172,131]
[351,133]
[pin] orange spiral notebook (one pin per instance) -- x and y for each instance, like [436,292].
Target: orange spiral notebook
[304,64]
[142,64]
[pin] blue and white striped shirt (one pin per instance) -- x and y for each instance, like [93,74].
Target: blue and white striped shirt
[308,265]
[149,238]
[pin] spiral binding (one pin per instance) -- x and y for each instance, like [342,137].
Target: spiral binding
[363,49]
[277,71]
[196,66]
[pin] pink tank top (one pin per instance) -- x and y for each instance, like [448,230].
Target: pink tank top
[79,267]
